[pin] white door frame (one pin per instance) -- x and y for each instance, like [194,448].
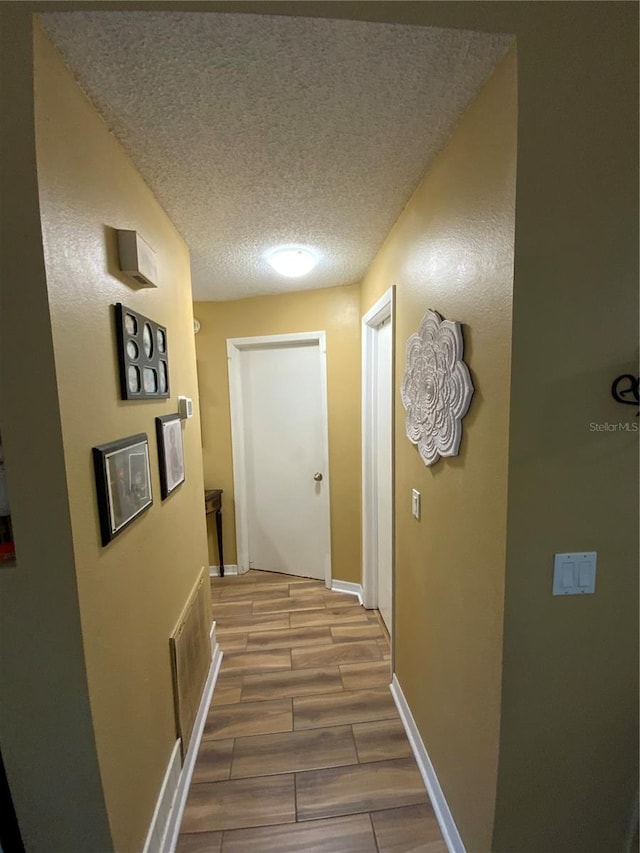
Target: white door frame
[234,347]
[375,316]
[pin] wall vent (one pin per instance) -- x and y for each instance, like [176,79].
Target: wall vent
[137,258]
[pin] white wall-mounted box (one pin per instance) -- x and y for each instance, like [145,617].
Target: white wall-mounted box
[185,407]
[137,258]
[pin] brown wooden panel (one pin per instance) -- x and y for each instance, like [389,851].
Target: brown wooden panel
[214,761]
[250,662]
[190,648]
[244,624]
[248,718]
[359,788]
[413,829]
[231,642]
[335,653]
[381,739]
[298,682]
[240,803]
[342,707]
[365,631]
[285,604]
[200,842]
[288,639]
[360,676]
[293,751]
[328,616]
[352,834]
[228,690]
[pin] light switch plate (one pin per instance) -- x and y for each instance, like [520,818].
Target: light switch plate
[185,408]
[415,503]
[574,573]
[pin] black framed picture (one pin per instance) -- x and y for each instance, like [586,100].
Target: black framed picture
[142,356]
[170,453]
[123,483]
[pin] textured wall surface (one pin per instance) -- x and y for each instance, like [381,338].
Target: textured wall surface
[256,130]
[336,310]
[569,743]
[568,771]
[452,251]
[132,591]
[576,301]
[46,729]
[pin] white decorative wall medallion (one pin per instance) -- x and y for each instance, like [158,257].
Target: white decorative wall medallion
[436,389]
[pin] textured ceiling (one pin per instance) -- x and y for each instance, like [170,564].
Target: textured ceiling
[258,130]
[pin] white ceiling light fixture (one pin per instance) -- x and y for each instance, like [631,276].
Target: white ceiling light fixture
[292,261]
[306,190]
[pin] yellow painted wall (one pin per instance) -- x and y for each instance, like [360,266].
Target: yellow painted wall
[569,740]
[568,743]
[131,592]
[336,310]
[452,251]
[46,728]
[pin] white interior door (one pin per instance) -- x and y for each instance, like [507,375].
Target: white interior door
[279,426]
[383,467]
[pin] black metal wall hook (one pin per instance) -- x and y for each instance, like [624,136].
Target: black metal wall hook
[626,389]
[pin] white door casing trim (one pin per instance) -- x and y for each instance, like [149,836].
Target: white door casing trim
[382,310]
[234,348]
[441,808]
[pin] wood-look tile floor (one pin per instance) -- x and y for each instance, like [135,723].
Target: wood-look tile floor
[303,750]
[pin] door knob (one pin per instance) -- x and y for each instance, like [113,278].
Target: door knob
[317,477]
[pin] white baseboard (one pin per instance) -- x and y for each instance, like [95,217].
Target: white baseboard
[348,588]
[165,825]
[440,806]
[214,571]
[166,798]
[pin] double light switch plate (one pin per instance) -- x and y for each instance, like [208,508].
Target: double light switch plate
[575,573]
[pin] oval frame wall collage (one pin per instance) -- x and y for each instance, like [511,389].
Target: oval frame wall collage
[142,355]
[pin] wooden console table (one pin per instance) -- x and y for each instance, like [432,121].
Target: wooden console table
[213,505]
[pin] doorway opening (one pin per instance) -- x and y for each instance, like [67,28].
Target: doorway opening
[378,344]
[279,434]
